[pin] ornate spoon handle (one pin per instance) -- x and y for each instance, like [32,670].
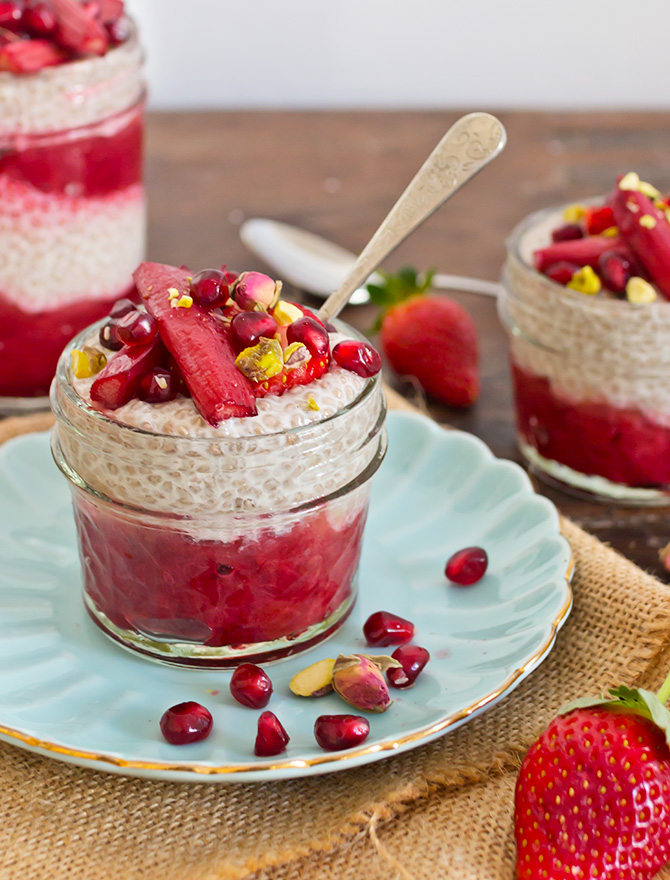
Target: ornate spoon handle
[466,148]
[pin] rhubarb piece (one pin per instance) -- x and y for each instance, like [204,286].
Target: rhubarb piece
[110,11]
[120,379]
[358,679]
[337,732]
[255,292]
[585,281]
[383,628]
[314,681]
[199,343]
[78,31]
[582,252]
[646,230]
[271,737]
[29,56]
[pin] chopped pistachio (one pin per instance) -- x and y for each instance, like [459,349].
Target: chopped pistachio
[87,362]
[586,281]
[574,213]
[647,221]
[630,181]
[610,232]
[312,404]
[261,361]
[286,313]
[647,189]
[185,301]
[173,293]
[639,291]
[295,355]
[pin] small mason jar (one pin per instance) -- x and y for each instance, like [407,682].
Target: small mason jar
[241,544]
[72,208]
[591,378]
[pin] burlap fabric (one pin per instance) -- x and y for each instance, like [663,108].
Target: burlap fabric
[441,811]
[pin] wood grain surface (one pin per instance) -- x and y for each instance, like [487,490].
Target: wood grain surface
[338,174]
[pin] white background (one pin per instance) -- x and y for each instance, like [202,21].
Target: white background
[407,53]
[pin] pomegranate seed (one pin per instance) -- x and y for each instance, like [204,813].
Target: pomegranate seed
[109,337]
[209,288]
[186,723]
[251,686]
[336,732]
[157,386]
[359,357]
[597,220]
[11,13]
[312,335]
[40,19]
[246,328]
[413,659]
[569,232]
[121,307]
[383,628]
[615,270]
[467,566]
[561,272]
[271,738]
[136,328]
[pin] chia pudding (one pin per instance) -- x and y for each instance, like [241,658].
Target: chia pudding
[72,206]
[220,504]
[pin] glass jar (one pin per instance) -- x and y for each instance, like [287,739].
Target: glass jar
[72,209]
[591,378]
[218,549]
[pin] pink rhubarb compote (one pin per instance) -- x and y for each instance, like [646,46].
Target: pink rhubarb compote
[220,491]
[72,212]
[589,321]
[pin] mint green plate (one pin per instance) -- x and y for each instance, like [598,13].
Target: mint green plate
[68,692]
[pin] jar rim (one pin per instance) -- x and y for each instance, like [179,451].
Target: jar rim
[63,383]
[594,303]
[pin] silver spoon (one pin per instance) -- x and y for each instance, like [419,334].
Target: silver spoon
[319,266]
[469,145]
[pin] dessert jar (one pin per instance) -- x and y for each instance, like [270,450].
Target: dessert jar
[591,377]
[72,208]
[212,546]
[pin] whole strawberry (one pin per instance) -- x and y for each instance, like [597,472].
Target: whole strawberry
[593,793]
[429,337]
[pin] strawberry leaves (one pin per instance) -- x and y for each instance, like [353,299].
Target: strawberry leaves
[628,700]
[396,288]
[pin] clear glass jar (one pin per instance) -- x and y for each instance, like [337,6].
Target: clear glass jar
[591,379]
[72,209]
[214,550]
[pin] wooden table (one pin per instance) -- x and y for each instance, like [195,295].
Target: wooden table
[337,174]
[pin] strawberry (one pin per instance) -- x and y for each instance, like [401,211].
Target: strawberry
[581,251]
[116,383]
[429,337]
[593,793]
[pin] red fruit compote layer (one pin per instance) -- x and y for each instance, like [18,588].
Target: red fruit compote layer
[72,212]
[220,460]
[585,301]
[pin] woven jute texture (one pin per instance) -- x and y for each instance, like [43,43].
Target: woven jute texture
[442,810]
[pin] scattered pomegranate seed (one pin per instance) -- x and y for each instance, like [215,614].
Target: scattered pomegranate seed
[121,307]
[383,628]
[186,723]
[615,271]
[157,386]
[561,272]
[40,19]
[413,659]
[336,732]
[11,13]
[271,738]
[569,232]
[312,335]
[246,328]
[359,357]
[467,566]
[251,686]
[136,328]
[109,337]
[209,288]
